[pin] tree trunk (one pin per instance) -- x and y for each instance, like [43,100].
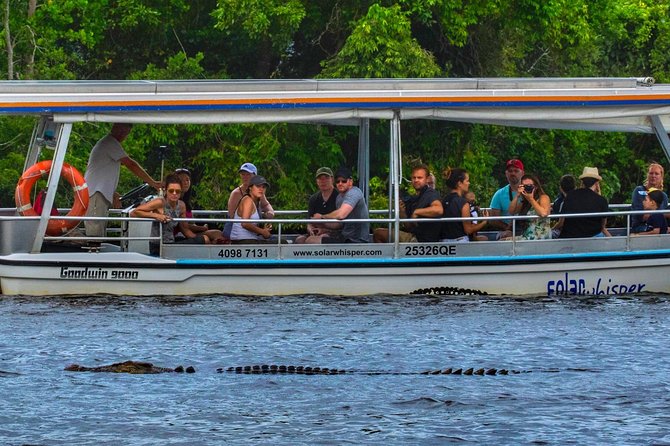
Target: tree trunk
[8,43]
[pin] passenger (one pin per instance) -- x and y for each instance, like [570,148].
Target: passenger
[214,235]
[531,200]
[165,210]
[321,202]
[102,177]
[566,184]
[455,205]
[424,204]
[585,200]
[474,212]
[504,196]
[350,205]
[247,171]
[655,223]
[654,180]
[249,209]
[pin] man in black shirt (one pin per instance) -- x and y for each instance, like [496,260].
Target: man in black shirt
[425,204]
[322,202]
[586,199]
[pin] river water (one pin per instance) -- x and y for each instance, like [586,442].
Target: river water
[598,370]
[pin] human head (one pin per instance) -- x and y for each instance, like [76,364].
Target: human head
[343,179]
[532,180]
[457,179]
[420,176]
[514,171]
[257,186]
[567,183]
[654,199]
[172,183]
[470,197]
[655,174]
[185,177]
[324,178]
[247,171]
[120,131]
[590,176]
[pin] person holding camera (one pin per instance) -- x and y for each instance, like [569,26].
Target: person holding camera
[531,200]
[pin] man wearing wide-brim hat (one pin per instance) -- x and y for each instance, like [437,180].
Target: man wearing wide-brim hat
[586,199]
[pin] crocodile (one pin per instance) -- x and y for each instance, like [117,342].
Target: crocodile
[133,367]
[302,370]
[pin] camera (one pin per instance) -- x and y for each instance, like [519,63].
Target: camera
[528,188]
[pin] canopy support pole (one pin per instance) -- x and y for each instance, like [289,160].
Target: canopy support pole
[396,178]
[661,134]
[52,184]
[364,158]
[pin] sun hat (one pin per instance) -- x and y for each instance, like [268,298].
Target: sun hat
[248,167]
[343,172]
[323,171]
[590,172]
[257,180]
[514,162]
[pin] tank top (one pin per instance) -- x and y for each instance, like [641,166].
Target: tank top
[240,233]
[168,227]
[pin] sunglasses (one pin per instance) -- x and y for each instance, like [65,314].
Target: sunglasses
[341,181]
[174,191]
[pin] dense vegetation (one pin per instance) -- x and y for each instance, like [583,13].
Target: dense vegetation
[218,39]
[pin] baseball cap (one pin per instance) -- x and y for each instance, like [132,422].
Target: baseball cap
[323,171]
[343,172]
[514,163]
[257,180]
[248,167]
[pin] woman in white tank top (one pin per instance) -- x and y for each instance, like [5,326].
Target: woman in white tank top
[248,209]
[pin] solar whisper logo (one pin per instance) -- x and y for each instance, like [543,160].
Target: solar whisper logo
[571,286]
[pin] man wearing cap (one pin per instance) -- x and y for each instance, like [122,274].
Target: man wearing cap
[247,172]
[586,199]
[102,177]
[321,202]
[350,205]
[504,196]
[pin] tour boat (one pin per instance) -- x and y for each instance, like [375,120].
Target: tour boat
[34,261]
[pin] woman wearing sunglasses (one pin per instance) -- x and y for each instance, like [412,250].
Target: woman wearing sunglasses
[164,210]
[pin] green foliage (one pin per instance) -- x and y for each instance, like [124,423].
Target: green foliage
[208,39]
[381,45]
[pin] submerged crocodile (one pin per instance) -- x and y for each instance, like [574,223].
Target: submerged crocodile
[133,367]
[300,370]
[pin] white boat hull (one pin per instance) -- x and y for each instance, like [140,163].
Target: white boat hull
[136,274]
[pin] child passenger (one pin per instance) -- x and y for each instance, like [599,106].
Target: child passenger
[655,223]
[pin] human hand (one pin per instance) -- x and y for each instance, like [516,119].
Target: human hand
[265,232]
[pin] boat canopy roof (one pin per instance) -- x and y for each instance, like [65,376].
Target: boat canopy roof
[610,104]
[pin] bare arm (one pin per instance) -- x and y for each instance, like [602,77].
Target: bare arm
[245,210]
[152,209]
[434,210]
[468,226]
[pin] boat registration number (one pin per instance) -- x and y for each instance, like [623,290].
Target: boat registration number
[430,250]
[243,253]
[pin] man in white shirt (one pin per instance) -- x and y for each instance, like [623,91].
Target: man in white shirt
[102,177]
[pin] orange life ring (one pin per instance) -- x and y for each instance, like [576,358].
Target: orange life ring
[35,172]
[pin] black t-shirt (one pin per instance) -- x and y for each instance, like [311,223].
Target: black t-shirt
[317,205]
[453,205]
[429,231]
[582,201]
